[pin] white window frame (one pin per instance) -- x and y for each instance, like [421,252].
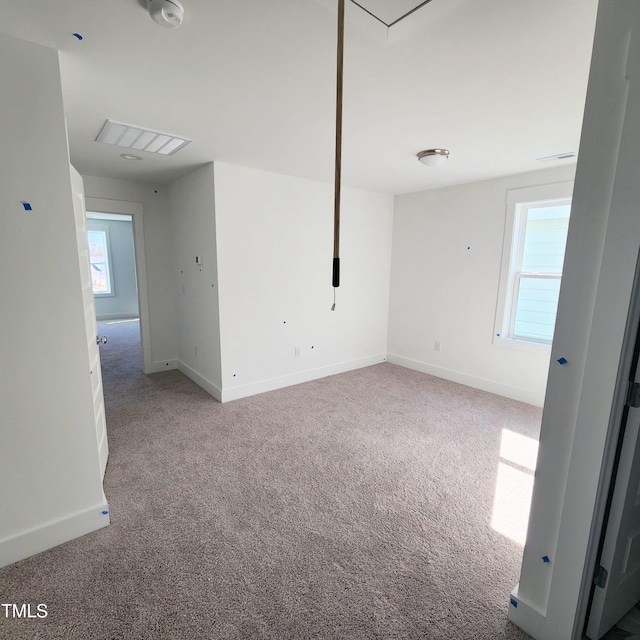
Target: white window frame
[517,202]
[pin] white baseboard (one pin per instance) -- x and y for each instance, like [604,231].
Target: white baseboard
[484,384]
[201,381]
[161,365]
[252,389]
[527,617]
[33,541]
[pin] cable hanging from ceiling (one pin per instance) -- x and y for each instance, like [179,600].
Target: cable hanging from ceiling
[338,162]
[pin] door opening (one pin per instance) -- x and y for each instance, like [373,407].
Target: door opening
[113,267]
[128,299]
[113,275]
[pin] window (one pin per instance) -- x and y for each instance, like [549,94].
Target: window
[533,255]
[100,265]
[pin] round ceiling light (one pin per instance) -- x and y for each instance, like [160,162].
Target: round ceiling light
[433,157]
[166,13]
[130,156]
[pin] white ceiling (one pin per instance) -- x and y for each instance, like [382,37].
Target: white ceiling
[499,83]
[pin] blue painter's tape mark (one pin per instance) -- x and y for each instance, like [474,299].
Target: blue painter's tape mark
[105,512]
[514,602]
[77,35]
[562,361]
[27,206]
[545,559]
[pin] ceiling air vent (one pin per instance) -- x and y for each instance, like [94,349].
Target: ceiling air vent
[560,156]
[140,139]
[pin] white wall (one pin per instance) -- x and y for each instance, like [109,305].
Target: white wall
[445,273]
[275,245]
[158,250]
[49,467]
[193,224]
[602,251]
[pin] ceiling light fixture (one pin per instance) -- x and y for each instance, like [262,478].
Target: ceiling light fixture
[140,139]
[130,156]
[433,157]
[166,13]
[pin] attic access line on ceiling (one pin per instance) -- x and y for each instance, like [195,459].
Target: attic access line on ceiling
[373,15]
[335,280]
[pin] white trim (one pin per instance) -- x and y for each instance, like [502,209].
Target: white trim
[201,381]
[272,384]
[513,228]
[484,384]
[525,615]
[540,193]
[521,345]
[115,217]
[136,210]
[49,535]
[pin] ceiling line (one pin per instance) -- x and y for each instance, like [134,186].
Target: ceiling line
[409,13]
[373,15]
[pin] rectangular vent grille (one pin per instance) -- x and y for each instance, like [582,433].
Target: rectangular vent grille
[140,139]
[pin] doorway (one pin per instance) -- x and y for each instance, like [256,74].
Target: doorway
[102,211]
[113,267]
[115,291]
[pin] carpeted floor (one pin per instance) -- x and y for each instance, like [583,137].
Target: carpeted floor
[357,506]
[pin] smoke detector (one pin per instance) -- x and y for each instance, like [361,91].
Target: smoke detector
[166,13]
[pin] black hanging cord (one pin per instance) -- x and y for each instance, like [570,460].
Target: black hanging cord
[338,167]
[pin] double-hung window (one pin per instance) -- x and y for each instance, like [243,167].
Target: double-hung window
[533,255]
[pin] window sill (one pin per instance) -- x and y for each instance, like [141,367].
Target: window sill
[521,345]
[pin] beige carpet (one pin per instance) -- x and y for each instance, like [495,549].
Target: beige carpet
[357,506]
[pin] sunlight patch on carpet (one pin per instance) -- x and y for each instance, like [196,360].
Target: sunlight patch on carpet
[514,485]
[519,449]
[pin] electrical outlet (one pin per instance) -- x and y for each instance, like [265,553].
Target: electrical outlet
[296,351]
[436,346]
